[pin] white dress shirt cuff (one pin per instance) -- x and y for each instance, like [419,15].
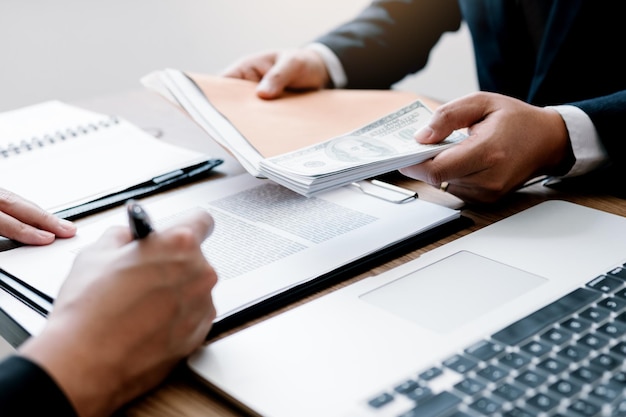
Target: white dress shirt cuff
[333,65]
[588,150]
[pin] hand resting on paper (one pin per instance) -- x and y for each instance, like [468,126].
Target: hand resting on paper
[26,222]
[128,312]
[277,71]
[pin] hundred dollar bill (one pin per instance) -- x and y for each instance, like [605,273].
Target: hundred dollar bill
[386,138]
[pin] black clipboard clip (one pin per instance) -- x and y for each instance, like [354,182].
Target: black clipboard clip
[153,186]
[385,191]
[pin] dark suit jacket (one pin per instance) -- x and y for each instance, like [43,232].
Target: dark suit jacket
[576,62]
[27,390]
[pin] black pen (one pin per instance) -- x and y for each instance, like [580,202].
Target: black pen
[153,186]
[138,220]
[180,175]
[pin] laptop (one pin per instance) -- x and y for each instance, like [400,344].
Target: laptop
[525,317]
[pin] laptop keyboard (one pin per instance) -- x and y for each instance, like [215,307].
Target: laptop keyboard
[566,359]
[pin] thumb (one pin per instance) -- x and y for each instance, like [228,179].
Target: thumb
[198,221]
[274,82]
[427,135]
[286,72]
[267,89]
[457,114]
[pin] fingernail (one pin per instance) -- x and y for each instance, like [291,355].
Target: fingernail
[424,134]
[265,86]
[66,224]
[46,236]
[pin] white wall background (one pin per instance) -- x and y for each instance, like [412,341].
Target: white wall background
[77,49]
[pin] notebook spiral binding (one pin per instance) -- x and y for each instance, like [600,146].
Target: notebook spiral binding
[35,142]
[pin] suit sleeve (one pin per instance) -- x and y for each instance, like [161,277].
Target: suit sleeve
[390,39]
[27,390]
[607,114]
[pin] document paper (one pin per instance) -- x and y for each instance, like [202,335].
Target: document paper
[267,239]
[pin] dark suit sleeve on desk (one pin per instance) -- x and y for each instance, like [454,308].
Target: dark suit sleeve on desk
[607,114]
[27,390]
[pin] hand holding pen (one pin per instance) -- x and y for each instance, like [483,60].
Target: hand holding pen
[154,294]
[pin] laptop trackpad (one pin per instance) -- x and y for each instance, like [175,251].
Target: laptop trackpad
[453,291]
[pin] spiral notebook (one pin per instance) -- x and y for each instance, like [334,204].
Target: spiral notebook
[60,156]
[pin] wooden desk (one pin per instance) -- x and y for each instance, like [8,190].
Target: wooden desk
[181,394]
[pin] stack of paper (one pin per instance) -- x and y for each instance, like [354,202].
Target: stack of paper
[308,141]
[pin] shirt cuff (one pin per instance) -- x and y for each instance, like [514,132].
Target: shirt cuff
[586,145]
[333,65]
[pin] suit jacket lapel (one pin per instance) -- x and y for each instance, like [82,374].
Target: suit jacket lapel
[560,19]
